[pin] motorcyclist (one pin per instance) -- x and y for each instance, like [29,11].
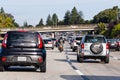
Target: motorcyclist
[60,44]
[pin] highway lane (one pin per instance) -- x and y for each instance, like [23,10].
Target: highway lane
[64,66]
[94,69]
[57,69]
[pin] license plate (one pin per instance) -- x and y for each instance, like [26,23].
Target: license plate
[22,59]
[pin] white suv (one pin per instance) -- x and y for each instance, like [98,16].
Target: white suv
[93,47]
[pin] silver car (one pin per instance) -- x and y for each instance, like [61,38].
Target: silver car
[48,42]
[93,47]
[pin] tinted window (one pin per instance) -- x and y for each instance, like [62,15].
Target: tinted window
[22,36]
[78,38]
[92,39]
[47,40]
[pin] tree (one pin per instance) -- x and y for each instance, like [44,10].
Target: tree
[49,21]
[1,10]
[54,19]
[25,24]
[67,18]
[116,31]
[79,19]
[73,16]
[106,16]
[101,28]
[76,17]
[6,20]
[40,23]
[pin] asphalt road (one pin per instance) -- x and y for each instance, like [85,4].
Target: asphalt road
[63,66]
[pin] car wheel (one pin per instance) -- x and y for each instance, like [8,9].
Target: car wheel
[6,67]
[2,68]
[96,48]
[81,60]
[73,50]
[52,48]
[106,59]
[78,60]
[43,67]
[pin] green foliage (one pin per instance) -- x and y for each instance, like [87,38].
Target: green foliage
[73,17]
[6,20]
[101,27]
[25,24]
[67,18]
[106,16]
[40,23]
[116,31]
[49,20]
[54,19]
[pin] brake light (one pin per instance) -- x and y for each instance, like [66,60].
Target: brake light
[107,45]
[49,42]
[4,59]
[40,42]
[5,41]
[82,45]
[40,59]
[22,30]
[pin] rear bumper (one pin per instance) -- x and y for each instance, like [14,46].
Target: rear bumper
[22,60]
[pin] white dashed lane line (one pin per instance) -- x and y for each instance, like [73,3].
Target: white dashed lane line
[74,68]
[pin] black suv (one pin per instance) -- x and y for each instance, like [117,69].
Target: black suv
[23,48]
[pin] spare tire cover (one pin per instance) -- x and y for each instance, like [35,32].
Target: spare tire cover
[96,48]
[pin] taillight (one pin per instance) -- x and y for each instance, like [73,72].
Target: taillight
[4,59]
[40,42]
[40,59]
[82,45]
[107,45]
[49,42]
[5,41]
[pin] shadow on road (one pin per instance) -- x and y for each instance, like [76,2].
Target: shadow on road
[21,69]
[86,77]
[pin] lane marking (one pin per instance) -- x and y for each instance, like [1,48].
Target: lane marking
[74,68]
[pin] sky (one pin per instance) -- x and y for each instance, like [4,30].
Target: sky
[33,10]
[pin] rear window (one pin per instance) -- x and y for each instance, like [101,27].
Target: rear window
[93,39]
[22,36]
[47,40]
[78,38]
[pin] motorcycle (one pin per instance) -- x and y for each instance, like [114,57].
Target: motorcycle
[60,47]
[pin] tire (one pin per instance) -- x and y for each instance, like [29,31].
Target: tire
[6,67]
[106,59]
[96,48]
[2,68]
[43,67]
[52,48]
[81,60]
[73,50]
[78,60]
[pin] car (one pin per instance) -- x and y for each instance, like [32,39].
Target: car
[54,41]
[23,48]
[75,41]
[93,47]
[114,44]
[48,42]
